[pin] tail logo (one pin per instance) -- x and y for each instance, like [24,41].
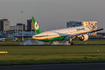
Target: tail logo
[36,26]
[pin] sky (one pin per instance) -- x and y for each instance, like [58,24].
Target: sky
[52,14]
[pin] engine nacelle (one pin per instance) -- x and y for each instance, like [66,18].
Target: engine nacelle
[84,37]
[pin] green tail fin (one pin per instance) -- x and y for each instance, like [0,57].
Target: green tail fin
[36,26]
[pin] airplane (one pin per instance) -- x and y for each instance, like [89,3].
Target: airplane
[2,39]
[28,34]
[61,34]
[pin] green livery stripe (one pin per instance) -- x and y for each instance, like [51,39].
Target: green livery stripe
[36,26]
[38,31]
[33,20]
[54,39]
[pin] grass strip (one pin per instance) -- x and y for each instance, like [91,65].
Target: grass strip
[19,55]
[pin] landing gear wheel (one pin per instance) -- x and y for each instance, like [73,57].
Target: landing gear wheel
[71,43]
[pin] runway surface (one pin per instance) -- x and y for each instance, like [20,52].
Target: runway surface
[73,66]
[55,45]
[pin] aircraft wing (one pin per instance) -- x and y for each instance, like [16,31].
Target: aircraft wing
[71,36]
[68,37]
[89,32]
[97,30]
[28,33]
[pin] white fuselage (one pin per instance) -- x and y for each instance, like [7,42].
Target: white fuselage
[61,32]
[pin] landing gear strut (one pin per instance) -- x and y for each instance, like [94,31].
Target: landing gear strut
[51,43]
[70,41]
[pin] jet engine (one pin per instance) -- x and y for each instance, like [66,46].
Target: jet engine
[84,37]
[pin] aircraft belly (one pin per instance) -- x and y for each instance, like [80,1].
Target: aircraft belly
[53,39]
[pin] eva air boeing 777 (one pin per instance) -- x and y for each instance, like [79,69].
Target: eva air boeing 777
[61,34]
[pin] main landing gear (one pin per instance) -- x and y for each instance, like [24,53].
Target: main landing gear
[70,41]
[51,43]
